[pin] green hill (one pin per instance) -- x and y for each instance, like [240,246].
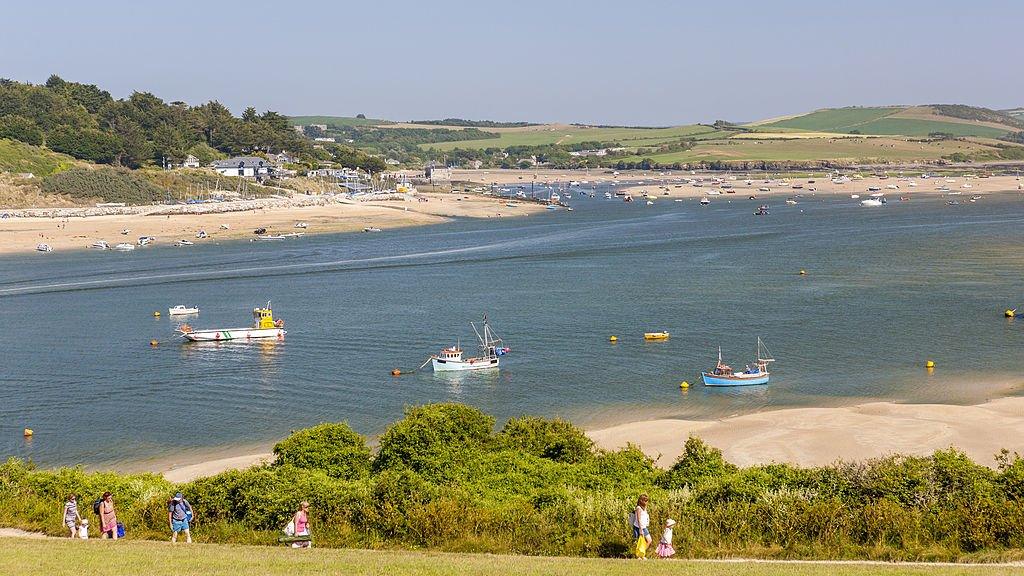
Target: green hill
[336,121]
[917,121]
[17,157]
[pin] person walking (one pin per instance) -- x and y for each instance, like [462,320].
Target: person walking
[71,515]
[108,517]
[665,549]
[301,522]
[179,515]
[641,525]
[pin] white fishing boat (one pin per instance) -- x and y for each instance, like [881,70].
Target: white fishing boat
[264,326]
[100,245]
[181,310]
[124,247]
[451,360]
[44,248]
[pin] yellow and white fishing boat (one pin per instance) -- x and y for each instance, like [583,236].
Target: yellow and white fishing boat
[264,326]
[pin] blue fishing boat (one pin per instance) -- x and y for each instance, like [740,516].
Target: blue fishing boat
[723,374]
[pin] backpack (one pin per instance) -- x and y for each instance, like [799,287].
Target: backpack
[96,506]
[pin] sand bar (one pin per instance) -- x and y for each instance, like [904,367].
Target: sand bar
[819,436]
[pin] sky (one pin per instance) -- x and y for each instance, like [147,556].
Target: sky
[640,62]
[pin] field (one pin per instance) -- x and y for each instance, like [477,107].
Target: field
[335,121]
[808,149]
[835,120]
[567,134]
[29,557]
[893,121]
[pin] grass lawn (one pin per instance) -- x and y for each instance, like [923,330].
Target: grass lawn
[58,557]
[920,127]
[335,121]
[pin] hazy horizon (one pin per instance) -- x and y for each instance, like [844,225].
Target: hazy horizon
[657,64]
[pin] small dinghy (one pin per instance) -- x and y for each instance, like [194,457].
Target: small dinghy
[181,310]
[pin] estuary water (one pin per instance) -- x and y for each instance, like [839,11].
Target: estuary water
[886,289]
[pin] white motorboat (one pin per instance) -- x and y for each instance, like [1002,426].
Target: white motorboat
[302,225]
[124,247]
[184,243]
[704,201]
[372,229]
[264,326]
[44,248]
[181,310]
[144,240]
[451,360]
[202,234]
[100,245]
[871,202]
[271,237]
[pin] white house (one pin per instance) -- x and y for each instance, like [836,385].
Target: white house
[249,166]
[190,162]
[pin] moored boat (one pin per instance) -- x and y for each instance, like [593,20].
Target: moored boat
[100,245]
[450,359]
[181,310]
[124,247]
[43,248]
[663,335]
[723,374]
[264,326]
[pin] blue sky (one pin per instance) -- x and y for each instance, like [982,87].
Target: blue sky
[641,62]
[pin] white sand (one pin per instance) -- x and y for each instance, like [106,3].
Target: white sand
[818,436]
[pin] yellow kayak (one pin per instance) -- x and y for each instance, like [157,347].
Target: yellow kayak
[655,335]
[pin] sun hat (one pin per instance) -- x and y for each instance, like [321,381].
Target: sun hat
[670,522]
[178,496]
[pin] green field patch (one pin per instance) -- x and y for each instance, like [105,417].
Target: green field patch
[627,137]
[916,127]
[835,119]
[335,121]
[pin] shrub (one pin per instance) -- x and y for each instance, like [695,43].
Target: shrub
[110,184]
[557,440]
[698,462]
[333,448]
[85,144]
[22,129]
[433,436]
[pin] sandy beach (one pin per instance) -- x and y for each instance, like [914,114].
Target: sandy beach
[21,235]
[819,436]
[802,436]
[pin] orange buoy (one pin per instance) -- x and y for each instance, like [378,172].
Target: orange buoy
[396,372]
[28,432]
[154,343]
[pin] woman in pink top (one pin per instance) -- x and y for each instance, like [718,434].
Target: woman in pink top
[108,517]
[301,521]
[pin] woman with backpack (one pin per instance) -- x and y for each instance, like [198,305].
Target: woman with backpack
[108,517]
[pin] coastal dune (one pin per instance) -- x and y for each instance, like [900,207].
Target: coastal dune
[820,436]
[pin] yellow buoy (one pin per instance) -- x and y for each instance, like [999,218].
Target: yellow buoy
[613,338]
[684,384]
[396,372]
[803,272]
[154,343]
[929,364]
[156,314]
[1010,312]
[28,432]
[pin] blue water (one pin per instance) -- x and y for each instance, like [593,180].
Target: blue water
[887,288]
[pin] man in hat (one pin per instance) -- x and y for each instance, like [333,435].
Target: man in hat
[179,514]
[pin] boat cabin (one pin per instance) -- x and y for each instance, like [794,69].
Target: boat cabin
[264,318]
[453,354]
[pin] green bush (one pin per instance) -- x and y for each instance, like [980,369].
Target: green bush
[554,439]
[108,184]
[698,462]
[85,144]
[20,128]
[333,448]
[432,438]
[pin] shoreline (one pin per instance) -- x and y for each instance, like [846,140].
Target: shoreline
[21,234]
[800,436]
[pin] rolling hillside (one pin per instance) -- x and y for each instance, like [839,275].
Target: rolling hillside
[916,121]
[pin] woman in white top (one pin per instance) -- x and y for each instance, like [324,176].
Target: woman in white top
[641,519]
